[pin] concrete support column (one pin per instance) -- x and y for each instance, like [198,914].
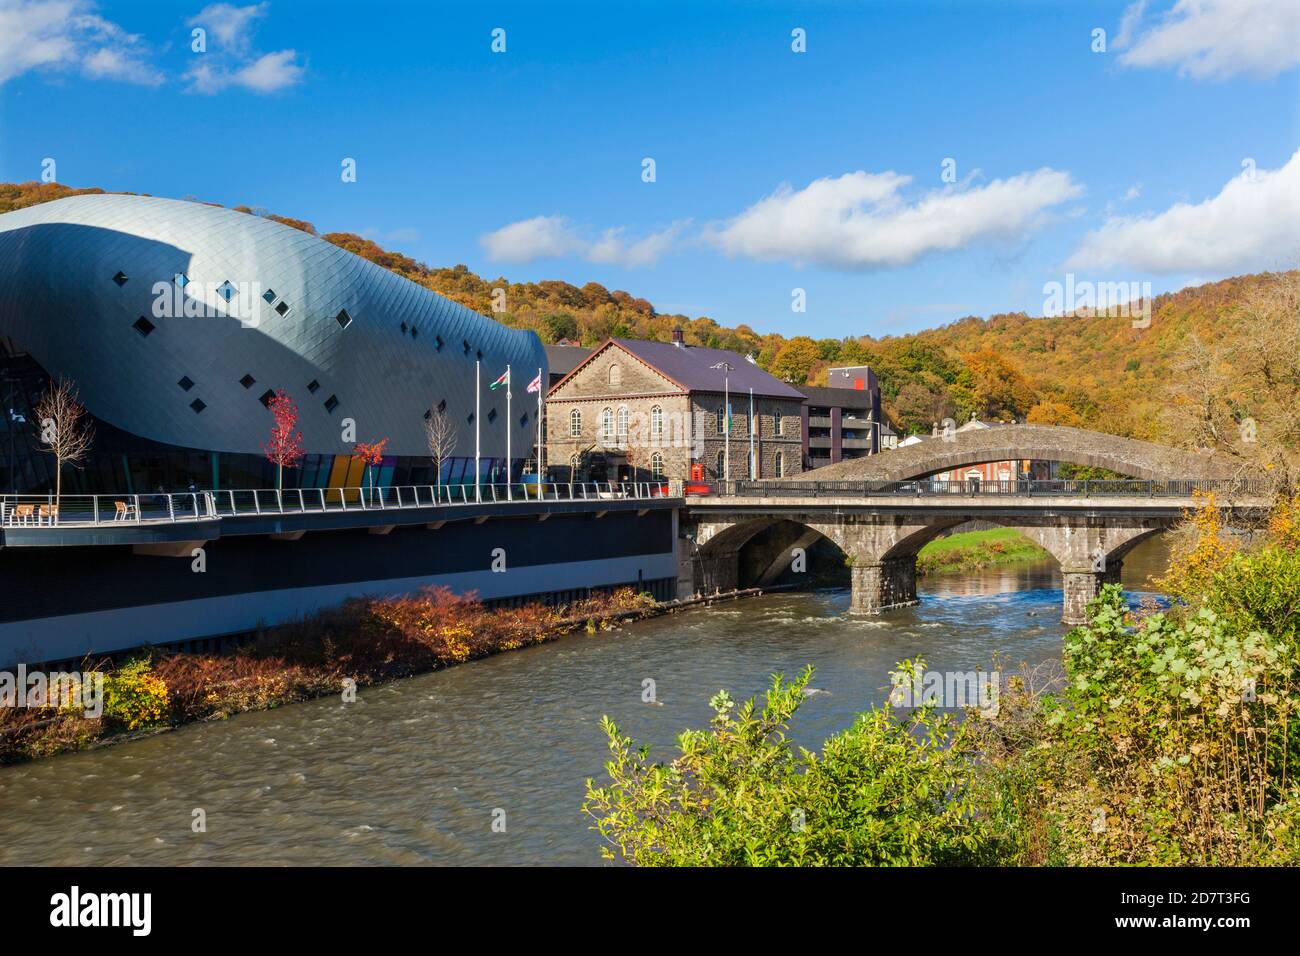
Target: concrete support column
[882,585]
[1081,585]
[716,571]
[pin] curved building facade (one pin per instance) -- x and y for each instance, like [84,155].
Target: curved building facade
[177,321]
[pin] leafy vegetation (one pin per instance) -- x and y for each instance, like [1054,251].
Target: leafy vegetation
[1170,738]
[969,550]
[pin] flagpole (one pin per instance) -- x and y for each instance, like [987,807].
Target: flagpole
[753,464]
[540,454]
[509,429]
[478,391]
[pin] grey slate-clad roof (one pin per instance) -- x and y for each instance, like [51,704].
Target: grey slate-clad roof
[563,359]
[344,337]
[689,366]
[836,397]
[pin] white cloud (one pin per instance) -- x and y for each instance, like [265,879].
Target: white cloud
[66,34]
[1253,222]
[861,220]
[551,237]
[230,60]
[1214,39]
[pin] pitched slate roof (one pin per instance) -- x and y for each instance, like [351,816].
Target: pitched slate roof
[689,367]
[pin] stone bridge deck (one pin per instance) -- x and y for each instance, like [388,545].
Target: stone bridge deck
[1089,531]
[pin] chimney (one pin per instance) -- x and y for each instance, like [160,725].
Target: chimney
[679,338]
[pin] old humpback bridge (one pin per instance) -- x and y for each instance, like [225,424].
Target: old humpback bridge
[881,510]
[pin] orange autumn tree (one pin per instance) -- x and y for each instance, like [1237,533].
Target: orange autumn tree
[1200,551]
[284,447]
[372,453]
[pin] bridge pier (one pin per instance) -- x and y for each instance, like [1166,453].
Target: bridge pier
[716,571]
[1081,585]
[883,585]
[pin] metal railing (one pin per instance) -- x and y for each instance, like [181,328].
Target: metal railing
[1053,488]
[81,510]
[165,507]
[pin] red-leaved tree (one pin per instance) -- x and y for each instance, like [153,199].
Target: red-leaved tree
[284,449]
[372,453]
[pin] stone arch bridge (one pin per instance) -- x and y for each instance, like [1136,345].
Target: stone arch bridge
[880,511]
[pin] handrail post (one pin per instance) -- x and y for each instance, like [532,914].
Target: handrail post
[171,508]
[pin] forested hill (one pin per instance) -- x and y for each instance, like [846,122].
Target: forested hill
[1096,371]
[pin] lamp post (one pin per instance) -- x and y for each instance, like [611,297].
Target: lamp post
[726,369]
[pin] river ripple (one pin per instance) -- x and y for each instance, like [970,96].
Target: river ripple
[412,773]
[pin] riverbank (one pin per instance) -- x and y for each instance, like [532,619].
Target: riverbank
[360,644]
[973,550]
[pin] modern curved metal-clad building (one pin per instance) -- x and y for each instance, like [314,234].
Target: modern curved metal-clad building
[177,321]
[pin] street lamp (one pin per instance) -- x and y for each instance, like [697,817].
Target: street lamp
[726,370]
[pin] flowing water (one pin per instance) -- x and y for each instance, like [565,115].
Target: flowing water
[420,770]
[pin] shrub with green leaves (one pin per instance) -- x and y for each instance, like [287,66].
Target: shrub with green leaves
[134,697]
[886,791]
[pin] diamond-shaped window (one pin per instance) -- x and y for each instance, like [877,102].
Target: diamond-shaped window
[181,279]
[198,405]
[438,343]
[492,415]
[442,405]
[186,382]
[331,403]
[283,307]
[226,290]
[265,397]
[269,295]
[248,381]
[120,278]
[343,319]
[312,386]
[143,326]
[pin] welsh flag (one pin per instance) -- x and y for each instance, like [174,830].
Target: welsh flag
[503,380]
[536,384]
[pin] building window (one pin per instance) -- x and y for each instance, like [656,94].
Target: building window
[181,280]
[656,466]
[722,462]
[523,419]
[606,425]
[312,386]
[120,278]
[331,403]
[442,406]
[780,465]
[186,382]
[464,344]
[656,422]
[778,424]
[492,415]
[622,423]
[143,326]
[269,296]
[615,375]
[197,405]
[403,328]
[414,332]
[226,290]
[343,319]
[722,420]
[438,343]
[575,424]
[283,307]
[248,381]
[266,397]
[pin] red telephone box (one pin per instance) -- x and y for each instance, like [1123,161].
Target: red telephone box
[697,471]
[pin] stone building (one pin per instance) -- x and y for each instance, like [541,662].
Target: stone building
[637,410]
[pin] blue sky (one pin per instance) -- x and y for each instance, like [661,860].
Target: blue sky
[774,170]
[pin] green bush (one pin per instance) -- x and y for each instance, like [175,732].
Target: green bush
[134,697]
[884,792]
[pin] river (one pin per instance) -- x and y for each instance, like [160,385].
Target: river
[416,772]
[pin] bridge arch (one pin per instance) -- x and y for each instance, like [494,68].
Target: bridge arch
[1128,456]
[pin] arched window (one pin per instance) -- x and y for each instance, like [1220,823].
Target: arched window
[606,425]
[780,465]
[622,423]
[573,466]
[656,466]
[575,424]
[722,461]
[656,422]
[615,374]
